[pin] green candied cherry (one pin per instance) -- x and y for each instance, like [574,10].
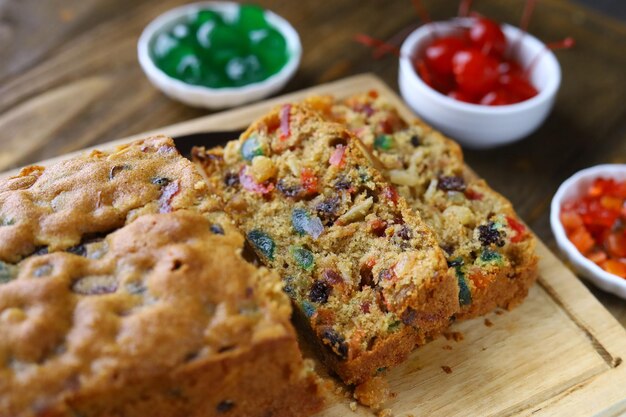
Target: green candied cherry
[465,294]
[490,256]
[243,70]
[304,223]
[303,257]
[251,148]
[163,46]
[308,308]
[251,17]
[178,60]
[263,243]
[383,142]
[271,48]
[204,17]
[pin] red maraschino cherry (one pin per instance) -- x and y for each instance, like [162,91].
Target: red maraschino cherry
[438,55]
[475,73]
[487,36]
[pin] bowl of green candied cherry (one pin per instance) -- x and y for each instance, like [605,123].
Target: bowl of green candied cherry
[219,54]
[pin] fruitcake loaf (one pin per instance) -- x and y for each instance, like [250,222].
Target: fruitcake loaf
[123,292]
[367,277]
[488,247]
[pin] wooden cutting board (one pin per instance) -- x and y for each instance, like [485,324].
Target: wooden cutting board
[559,353]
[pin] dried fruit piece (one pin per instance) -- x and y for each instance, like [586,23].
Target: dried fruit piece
[336,342]
[251,148]
[490,235]
[262,242]
[320,291]
[303,257]
[383,142]
[303,222]
[451,183]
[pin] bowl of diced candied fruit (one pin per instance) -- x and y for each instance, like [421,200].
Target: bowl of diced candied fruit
[588,219]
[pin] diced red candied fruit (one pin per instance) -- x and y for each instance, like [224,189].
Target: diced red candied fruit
[337,158]
[391,194]
[519,228]
[309,180]
[248,183]
[285,116]
[378,226]
[473,195]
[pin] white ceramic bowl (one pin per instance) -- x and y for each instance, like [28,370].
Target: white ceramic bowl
[571,189]
[474,125]
[215,98]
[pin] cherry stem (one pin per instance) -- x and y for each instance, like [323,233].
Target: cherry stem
[421,11]
[382,47]
[566,43]
[529,7]
[395,40]
[464,8]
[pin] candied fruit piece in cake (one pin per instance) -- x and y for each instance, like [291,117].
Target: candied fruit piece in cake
[365,295]
[490,250]
[135,310]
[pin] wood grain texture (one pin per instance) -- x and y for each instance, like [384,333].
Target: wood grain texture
[69,79]
[559,353]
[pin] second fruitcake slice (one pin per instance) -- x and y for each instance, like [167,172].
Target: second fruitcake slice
[490,250]
[365,273]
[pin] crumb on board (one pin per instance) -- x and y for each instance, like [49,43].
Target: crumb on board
[446,347]
[385,413]
[456,336]
[488,323]
[446,369]
[353,405]
[499,312]
[373,392]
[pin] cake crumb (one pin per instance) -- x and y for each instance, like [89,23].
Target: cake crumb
[353,405]
[373,392]
[447,347]
[385,413]
[488,323]
[499,312]
[446,369]
[456,336]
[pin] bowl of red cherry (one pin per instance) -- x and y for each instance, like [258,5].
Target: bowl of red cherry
[482,83]
[588,219]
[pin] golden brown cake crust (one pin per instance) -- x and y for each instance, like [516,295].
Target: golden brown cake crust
[356,261]
[161,317]
[488,247]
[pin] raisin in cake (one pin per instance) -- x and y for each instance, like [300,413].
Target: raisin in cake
[366,276]
[123,292]
[490,250]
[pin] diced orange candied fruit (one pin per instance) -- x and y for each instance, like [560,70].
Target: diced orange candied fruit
[615,267]
[582,240]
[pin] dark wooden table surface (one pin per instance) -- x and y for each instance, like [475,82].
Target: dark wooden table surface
[69,78]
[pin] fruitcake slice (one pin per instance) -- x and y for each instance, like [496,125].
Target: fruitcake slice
[124,292]
[365,274]
[490,250]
